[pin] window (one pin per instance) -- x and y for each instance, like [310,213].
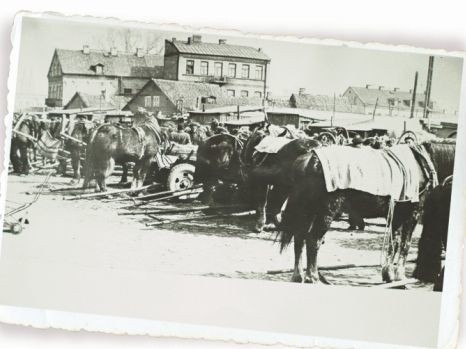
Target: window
[245,71]
[232,70]
[218,69]
[244,93]
[155,101]
[127,91]
[148,101]
[231,93]
[259,72]
[189,67]
[204,68]
[258,94]
[99,69]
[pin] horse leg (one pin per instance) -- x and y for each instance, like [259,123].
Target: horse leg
[394,243]
[260,198]
[316,232]
[298,250]
[144,169]
[76,165]
[136,174]
[24,159]
[405,244]
[124,175]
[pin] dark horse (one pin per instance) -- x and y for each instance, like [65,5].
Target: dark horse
[267,175]
[233,159]
[217,159]
[112,143]
[21,142]
[434,235]
[311,209]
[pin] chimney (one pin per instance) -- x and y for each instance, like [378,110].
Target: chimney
[259,49]
[139,52]
[396,89]
[302,91]
[86,49]
[380,87]
[173,39]
[189,41]
[197,39]
[222,41]
[410,90]
[113,52]
[368,86]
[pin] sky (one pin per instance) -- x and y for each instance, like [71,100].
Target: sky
[320,69]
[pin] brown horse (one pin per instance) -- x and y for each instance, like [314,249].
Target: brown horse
[112,143]
[311,209]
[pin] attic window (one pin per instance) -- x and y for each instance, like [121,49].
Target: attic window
[98,68]
[209,100]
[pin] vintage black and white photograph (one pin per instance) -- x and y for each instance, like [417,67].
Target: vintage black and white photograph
[199,154]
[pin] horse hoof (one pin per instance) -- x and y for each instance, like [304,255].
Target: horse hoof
[297,278]
[310,280]
[388,273]
[258,228]
[400,273]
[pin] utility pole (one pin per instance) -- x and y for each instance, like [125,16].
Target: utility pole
[413,99]
[375,108]
[428,87]
[334,107]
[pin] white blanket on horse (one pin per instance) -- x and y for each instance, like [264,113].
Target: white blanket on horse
[393,172]
[271,144]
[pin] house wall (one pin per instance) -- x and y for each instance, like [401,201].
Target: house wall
[284,119]
[75,103]
[165,106]
[93,85]
[236,83]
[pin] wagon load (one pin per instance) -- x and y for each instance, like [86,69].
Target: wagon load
[272,144]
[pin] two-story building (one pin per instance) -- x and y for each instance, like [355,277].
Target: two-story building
[99,73]
[241,70]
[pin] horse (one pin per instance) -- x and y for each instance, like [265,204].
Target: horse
[28,128]
[217,159]
[310,209]
[112,143]
[434,235]
[266,175]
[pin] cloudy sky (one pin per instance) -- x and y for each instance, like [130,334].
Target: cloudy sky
[318,68]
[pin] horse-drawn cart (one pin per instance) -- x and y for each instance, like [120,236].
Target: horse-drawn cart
[177,166]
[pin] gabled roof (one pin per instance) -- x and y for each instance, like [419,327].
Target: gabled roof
[369,95]
[123,64]
[221,50]
[96,101]
[189,91]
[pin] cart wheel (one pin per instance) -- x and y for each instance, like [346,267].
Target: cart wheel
[16,228]
[181,177]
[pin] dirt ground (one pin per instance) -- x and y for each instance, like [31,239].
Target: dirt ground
[91,234]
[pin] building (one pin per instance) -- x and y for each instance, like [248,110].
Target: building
[81,100]
[305,100]
[99,73]
[171,97]
[241,70]
[389,101]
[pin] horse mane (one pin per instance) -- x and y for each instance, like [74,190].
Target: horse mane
[442,154]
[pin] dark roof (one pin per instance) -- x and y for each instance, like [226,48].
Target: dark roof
[123,64]
[223,50]
[95,101]
[369,95]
